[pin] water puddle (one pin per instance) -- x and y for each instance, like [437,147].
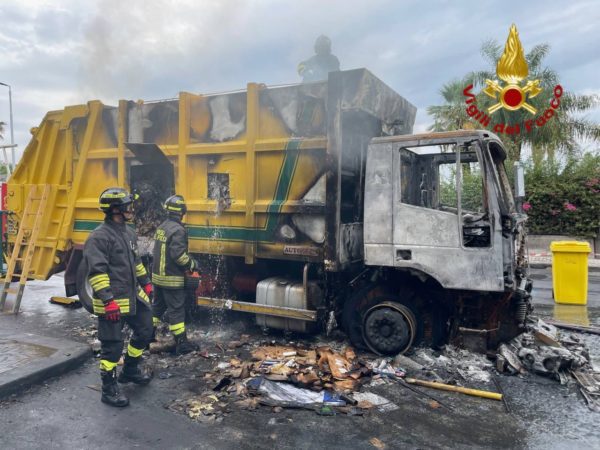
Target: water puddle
[14,353]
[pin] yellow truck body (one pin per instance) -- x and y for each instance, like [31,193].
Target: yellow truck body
[247,162]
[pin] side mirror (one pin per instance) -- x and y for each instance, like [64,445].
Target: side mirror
[519,185]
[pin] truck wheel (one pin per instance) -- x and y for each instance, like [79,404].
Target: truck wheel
[352,314]
[389,328]
[84,289]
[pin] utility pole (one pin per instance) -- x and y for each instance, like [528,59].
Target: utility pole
[12,135]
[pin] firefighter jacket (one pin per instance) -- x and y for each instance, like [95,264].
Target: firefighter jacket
[170,258]
[114,268]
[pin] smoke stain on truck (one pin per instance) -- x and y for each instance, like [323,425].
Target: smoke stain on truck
[307,203]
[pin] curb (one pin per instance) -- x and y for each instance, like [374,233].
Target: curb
[544,265]
[67,356]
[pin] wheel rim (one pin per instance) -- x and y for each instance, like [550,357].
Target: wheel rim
[389,328]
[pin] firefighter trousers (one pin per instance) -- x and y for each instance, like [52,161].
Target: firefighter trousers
[169,306]
[111,336]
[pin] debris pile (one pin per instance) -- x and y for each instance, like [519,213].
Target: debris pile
[543,351]
[452,364]
[278,376]
[318,369]
[149,213]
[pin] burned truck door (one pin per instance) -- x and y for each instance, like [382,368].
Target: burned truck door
[425,229]
[436,229]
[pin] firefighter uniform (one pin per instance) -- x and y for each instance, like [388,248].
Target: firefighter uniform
[116,274]
[171,261]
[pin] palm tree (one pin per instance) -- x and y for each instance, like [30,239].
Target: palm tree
[451,115]
[561,132]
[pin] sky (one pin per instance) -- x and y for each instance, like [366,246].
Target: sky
[64,52]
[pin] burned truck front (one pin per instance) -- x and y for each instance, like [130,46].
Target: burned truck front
[442,236]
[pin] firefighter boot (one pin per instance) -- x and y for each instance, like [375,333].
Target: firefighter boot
[183,346]
[132,373]
[110,389]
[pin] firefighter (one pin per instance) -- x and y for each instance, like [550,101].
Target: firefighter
[318,66]
[122,292]
[171,263]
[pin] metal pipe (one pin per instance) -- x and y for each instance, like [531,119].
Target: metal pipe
[305,283]
[12,134]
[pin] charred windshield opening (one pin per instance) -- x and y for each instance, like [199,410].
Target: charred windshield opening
[450,178]
[498,155]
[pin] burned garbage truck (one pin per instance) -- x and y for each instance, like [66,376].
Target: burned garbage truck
[309,206]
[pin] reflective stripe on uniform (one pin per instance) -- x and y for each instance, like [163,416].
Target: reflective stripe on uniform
[167,280]
[98,305]
[143,295]
[183,259]
[107,365]
[140,270]
[155,321]
[100,281]
[163,251]
[134,352]
[178,328]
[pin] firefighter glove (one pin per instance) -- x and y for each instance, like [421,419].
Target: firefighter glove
[113,311]
[149,290]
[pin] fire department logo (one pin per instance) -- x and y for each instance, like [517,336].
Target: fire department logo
[512,93]
[512,69]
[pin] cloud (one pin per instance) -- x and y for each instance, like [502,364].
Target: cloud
[66,51]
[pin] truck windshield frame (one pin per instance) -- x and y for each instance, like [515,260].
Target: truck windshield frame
[500,178]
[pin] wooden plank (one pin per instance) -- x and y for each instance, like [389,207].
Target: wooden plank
[255,308]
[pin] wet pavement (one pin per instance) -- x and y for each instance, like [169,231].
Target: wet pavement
[15,353]
[65,412]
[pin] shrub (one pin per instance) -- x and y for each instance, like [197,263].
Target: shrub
[564,199]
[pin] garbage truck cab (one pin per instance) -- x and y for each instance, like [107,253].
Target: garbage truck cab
[439,209]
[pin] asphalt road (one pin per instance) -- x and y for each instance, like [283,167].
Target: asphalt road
[65,412]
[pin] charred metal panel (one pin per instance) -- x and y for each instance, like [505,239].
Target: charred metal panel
[423,226]
[359,107]
[379,184]
[379,255]
[334,144]
[351,243]
[469,269]
[149,154]
[228,117]
[110,119]
[365,92]
[301,108]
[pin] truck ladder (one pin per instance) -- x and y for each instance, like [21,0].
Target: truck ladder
[25,243]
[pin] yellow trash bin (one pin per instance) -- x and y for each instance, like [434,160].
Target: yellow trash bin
[570,271]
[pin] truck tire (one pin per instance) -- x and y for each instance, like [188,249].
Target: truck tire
[84,289]
[389,328]
[362,303]
[352,314]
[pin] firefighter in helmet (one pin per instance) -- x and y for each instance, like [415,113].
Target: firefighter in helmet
[318,66]
[171,263]
[122,292]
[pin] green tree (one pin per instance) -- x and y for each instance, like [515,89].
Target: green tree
[2,124]
[452,115]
